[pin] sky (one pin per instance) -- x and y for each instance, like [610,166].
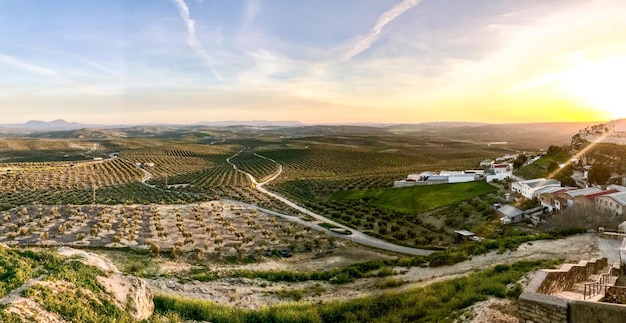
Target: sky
[321,61]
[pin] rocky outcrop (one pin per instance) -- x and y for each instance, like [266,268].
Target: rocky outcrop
[130,293]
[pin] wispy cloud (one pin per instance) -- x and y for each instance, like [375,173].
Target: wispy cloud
[18,63]
[384,19]
[192,40]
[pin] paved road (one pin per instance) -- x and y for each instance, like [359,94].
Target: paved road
[146,177]
[356,236]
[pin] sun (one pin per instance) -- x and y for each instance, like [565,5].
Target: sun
[598,84]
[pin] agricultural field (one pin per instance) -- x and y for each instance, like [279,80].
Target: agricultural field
[333,171]
[176,208]
[331,177]
[206,230]
[417,198]
[67,176]
[47,150]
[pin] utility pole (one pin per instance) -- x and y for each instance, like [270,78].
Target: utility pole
[94,194]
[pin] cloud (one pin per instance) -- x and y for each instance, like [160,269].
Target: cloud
[192,40]
[384,19]
[14,62]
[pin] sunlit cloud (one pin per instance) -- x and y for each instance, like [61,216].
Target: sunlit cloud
[192,40]
[397,61]
[384,19]
[25,66]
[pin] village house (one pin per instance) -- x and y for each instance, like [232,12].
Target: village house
[589,200]
[528,188]
[570,195]
[499,172]
[614,203]
[548,197]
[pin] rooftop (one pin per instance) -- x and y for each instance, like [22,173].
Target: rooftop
[538,182]
[619,197]
[584,191]
[510,211]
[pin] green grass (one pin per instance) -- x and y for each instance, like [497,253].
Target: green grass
[417,198]
[437,302]
[539,168]
[82,299]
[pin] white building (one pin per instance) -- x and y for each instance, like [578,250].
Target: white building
[461,178]
[528,188]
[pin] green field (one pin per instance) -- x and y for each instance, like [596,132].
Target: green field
[417,198]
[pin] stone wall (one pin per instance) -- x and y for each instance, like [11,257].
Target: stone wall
[557,280]
[616,295]
[537,306]
[584,312]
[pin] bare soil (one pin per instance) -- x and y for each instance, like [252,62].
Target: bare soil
[211,229]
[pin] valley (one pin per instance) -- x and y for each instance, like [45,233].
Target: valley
[256,218]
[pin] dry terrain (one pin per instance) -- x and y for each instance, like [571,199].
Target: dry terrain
[255,293]
[206,229]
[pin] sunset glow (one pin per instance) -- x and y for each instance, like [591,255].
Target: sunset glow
[599,84]
[182,61]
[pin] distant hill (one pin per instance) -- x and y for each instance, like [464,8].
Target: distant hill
[251,123]
[38,125]
[522,135]
[536,134]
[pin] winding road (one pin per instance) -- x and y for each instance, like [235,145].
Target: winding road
[356,236]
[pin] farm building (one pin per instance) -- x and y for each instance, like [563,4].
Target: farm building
[510,214]
[442,177]
[528,188]
[464,235]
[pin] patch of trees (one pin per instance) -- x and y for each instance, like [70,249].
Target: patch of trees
[519,162]
[582,218]
[564,175]
[599,174]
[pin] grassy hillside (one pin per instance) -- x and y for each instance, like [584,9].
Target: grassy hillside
[539,169]
[417,198]
[68,288]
